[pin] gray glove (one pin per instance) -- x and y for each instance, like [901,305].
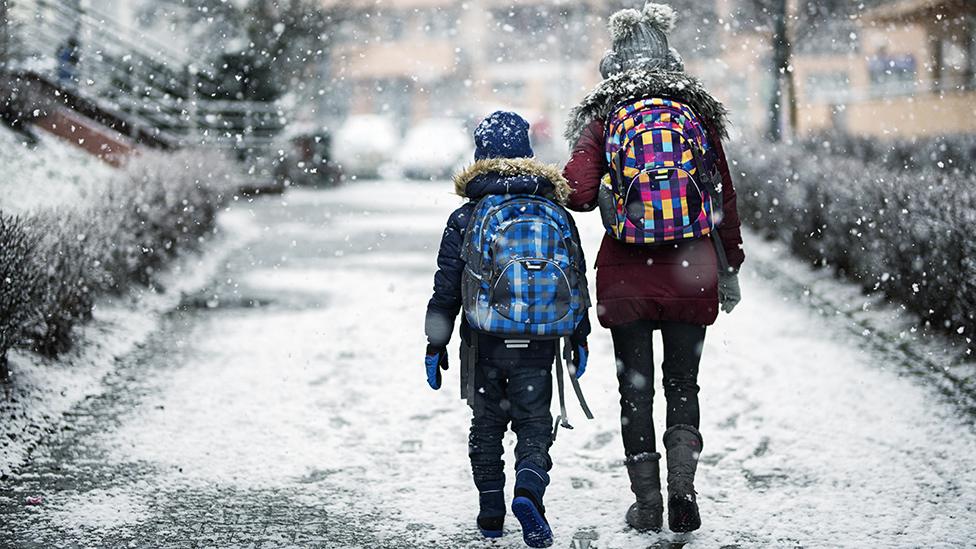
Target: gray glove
[729,294]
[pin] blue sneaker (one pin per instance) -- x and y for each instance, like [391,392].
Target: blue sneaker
[531,515]
[530,487]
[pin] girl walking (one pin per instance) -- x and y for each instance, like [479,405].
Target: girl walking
[648,151]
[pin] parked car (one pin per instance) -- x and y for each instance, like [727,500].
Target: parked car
[434,148]
[364,144]
[306,160]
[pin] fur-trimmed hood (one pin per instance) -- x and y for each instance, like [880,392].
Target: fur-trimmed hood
[512,176]
[641,83]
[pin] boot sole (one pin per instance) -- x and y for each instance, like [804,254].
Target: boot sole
[535,530]
[647,529]
[492,534]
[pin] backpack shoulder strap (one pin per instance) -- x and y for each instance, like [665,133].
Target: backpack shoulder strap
[616,161]
[568,354]
[469,370]
[723,260]
[707,176]
[561,419]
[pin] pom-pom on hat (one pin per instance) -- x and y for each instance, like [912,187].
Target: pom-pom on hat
[640,40]
[661,16]
[502,135]
[624,23]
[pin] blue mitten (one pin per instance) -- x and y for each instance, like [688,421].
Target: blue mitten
[581,352]
[435,361]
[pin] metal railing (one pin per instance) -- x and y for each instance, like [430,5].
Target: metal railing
[91,54]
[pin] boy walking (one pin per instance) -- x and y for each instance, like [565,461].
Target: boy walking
[511,258]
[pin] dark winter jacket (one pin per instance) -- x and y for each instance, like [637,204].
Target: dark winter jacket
[483,178]
[674,282]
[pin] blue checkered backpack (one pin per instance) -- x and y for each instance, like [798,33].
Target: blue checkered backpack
[524,279]
[524,269]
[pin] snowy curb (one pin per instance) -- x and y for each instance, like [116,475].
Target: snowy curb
[42,391]
[891,330]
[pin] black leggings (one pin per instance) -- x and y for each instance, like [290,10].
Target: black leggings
[632,344]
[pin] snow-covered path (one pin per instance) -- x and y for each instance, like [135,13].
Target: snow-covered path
[287,406]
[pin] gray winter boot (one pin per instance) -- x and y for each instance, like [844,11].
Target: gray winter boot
[647,514]
[684,444]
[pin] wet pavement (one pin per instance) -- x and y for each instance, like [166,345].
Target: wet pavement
[285,406]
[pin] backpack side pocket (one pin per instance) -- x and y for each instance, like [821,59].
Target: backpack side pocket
[608,206]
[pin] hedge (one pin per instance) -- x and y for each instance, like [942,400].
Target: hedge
[19,282]
[953,153]
[905,232]
[54,264]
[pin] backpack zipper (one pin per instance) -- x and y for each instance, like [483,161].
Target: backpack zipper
[491,294]
[669,169]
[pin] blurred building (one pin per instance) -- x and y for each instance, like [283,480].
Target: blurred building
[113,75]
[917,72]
[901,68]
[904,67]
[417,59]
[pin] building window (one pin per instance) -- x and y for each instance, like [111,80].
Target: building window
[395,25]
[892,74]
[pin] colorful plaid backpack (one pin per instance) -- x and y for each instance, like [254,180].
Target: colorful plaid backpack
[524,269]
[663,186]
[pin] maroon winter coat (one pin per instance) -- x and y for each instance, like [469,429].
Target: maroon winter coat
[674,282]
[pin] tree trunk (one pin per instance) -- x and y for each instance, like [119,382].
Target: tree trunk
[969,41]
[937,58]
[791,94]
[4,36]
[791,104]
[781,61]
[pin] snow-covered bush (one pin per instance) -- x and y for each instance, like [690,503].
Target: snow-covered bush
[952,153]
[902,232]
[55,263]
[162,204]
[67,266]
[19,277]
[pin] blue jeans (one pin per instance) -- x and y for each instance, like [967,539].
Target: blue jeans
[511,385]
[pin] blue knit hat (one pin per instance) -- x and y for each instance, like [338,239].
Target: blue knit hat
[502,135]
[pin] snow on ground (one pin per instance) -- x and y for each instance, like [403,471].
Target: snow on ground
[290,408]
[44,389]
[892,332]
[51,173]
[108,509]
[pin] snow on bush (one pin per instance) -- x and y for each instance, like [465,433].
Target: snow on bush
[19,276]
[47,173]
[66,265]
[903,232]
[952,153]
[162,204]
[56,262]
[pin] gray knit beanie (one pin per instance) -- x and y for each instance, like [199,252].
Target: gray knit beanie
[640,41]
